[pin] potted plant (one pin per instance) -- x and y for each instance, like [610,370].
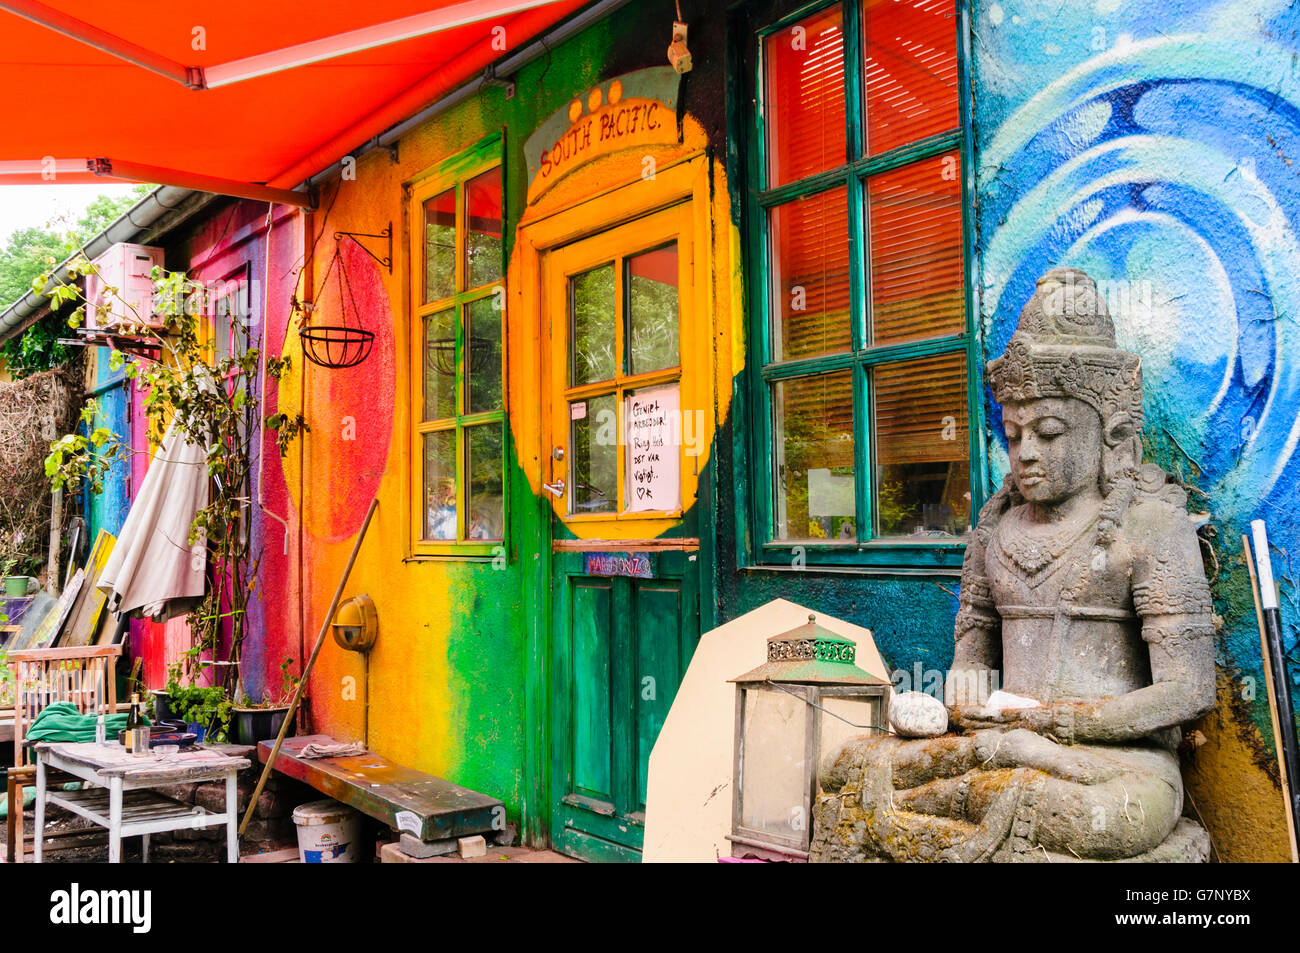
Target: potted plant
[258,721]
[205,709]
[163,711]
[15,586]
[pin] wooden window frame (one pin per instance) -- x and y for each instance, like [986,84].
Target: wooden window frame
[453,173]
[621,243]
[759,546]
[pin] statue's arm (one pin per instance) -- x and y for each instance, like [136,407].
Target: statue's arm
[977,632]
[1172,597]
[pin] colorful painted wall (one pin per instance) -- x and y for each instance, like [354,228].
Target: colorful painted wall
[234,244]
[448,678]
[1154,149]
[1157,146]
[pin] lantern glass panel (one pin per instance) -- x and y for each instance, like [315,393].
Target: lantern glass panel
[774,779]
[853,711]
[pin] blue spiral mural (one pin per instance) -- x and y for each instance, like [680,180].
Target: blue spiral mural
[1157,146]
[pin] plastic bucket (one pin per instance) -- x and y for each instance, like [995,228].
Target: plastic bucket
[327,832]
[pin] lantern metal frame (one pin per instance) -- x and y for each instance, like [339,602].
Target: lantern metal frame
[812,664]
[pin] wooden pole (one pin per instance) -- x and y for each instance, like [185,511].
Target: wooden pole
[56,538]
[1272,702]
[302,678]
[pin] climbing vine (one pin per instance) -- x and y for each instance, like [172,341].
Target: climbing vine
[214,401]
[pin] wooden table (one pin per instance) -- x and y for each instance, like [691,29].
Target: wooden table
[121,797]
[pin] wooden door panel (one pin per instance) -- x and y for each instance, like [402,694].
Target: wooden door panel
[658,623]
[592,626]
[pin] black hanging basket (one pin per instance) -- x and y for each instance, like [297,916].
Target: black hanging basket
[335,346]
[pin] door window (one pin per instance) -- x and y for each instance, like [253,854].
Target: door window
[623,393]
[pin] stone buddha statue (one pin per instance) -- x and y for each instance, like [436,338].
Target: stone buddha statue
[1083,587]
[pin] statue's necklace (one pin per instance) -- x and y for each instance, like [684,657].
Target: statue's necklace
[1032,549]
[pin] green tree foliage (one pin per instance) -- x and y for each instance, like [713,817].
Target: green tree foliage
[29,253]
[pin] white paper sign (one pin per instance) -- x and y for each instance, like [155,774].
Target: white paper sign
[654,440]
[830,494]
[408,821]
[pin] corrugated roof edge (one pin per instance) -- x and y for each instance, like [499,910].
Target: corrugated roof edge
[159,212]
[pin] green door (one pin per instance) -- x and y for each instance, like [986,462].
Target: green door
[620,648]
[626,360]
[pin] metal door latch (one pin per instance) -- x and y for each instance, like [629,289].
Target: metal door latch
[556,489]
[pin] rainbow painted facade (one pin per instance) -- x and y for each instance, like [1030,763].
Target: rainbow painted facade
[652,350]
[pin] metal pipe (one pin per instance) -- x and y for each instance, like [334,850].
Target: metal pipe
[348,143]
[138,172]
[1281,678]
[110,43]
[365,38]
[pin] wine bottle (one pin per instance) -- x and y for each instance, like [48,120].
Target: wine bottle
[132,721]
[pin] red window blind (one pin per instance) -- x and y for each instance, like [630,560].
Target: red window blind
[916,251]
[810,276]
[921,410]
[910,70]
[805,98]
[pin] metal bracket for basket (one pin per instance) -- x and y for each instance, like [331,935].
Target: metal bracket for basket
[357,236]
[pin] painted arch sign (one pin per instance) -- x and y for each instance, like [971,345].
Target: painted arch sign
[630,111]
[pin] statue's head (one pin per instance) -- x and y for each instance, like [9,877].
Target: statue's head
[1071,400]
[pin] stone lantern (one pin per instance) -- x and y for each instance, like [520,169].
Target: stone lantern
[805,701]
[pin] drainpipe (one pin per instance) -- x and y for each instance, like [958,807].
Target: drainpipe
[261,376]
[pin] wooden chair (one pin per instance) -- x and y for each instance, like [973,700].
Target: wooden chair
[86,676]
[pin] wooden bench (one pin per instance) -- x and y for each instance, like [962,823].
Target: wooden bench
[403,798]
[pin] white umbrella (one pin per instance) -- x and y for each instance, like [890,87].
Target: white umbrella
[153,563]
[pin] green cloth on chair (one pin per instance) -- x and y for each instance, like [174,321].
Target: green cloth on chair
[61,721]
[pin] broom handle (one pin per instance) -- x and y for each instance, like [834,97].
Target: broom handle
[1272,702]
[302,679]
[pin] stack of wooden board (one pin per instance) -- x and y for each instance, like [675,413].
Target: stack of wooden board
[79,617]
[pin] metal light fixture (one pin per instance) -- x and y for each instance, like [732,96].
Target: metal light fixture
[356,624]
[794,710]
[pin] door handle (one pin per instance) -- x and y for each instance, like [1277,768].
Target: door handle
[556,489]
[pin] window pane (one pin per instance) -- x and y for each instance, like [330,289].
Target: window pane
[916,251]
[484,355]
[440,485]
[922,448]
[910,71]
[773,780]
[653,310]
[486,486]
[483,229]
[595,455]
[440,247]
[804,97]
[813,433]
[810,276]
[440,365]
[592,297]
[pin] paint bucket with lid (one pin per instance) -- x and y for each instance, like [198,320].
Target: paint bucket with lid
[328,832]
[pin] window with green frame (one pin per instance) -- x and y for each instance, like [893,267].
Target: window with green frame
[862,339]
[458,299]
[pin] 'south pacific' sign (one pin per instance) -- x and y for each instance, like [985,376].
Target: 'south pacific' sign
[632,110]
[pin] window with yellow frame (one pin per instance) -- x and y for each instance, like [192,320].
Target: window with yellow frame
[457,333]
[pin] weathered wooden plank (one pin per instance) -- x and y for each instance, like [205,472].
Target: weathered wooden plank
[88,610]
[401,797]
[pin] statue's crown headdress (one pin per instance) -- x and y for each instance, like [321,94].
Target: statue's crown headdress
[1064,346]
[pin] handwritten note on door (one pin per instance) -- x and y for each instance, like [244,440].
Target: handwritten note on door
[654,449]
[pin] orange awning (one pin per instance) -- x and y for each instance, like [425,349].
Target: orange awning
[241,97]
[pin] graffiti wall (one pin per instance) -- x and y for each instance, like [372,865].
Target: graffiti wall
[1157,146]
